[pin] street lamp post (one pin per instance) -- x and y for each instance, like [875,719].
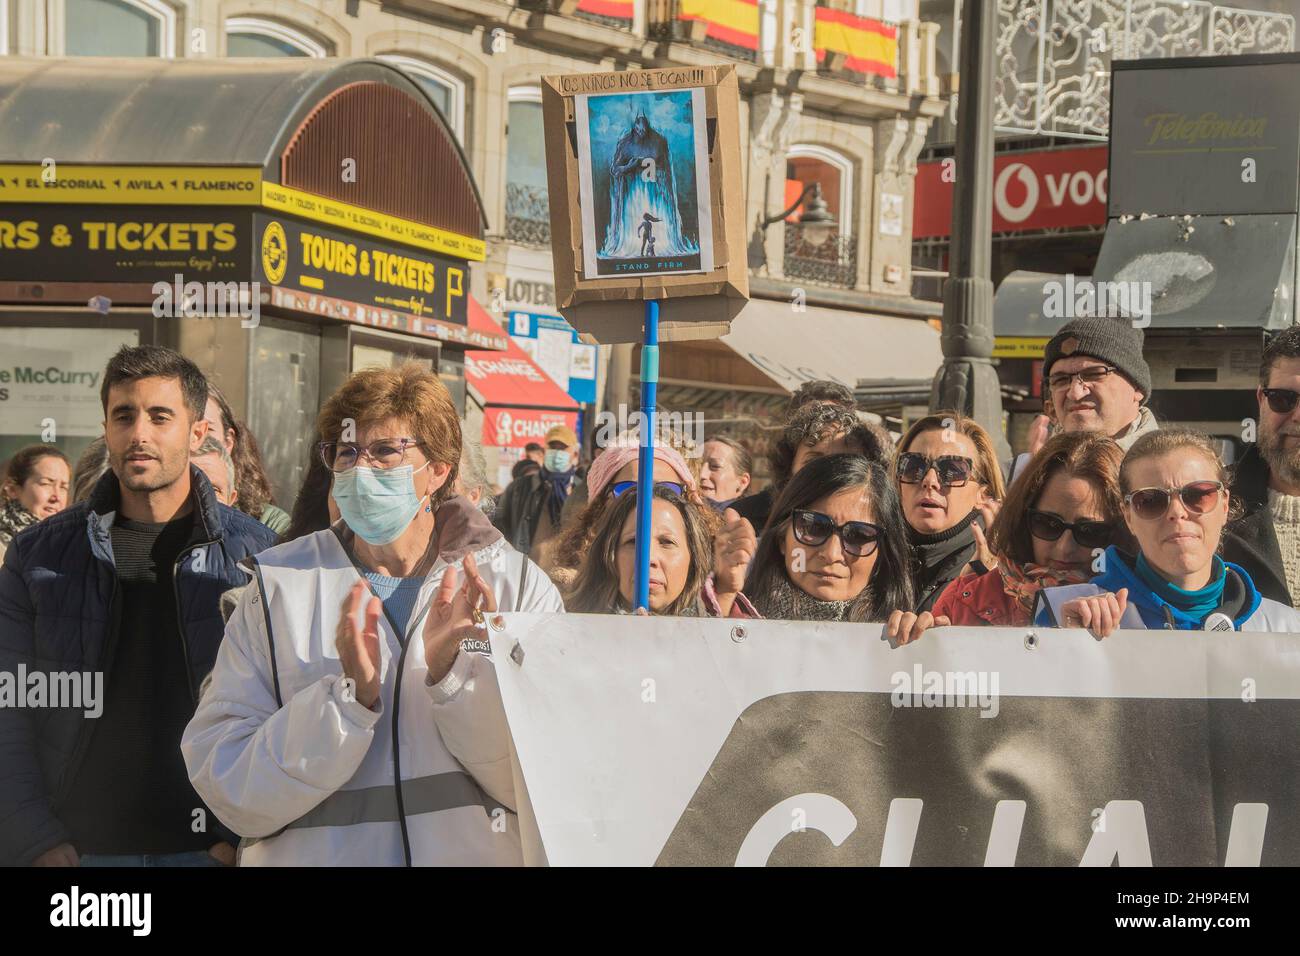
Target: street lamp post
[967,381]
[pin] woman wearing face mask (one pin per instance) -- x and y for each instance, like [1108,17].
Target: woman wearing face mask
[950,484]
[725,473]
[834,548]
[1063,508]
[359,655]
[1176,503]
[682,556]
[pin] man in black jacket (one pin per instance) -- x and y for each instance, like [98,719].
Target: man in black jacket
[531,510]
[124,587]
[1265,540]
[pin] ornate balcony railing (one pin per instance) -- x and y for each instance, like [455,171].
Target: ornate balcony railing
[528,215]
[1052,57]
[832,262]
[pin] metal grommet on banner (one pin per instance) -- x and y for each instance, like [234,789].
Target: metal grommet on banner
[498,622]
[1031,641]
[738,633]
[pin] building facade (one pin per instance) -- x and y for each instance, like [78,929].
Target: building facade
[838,95]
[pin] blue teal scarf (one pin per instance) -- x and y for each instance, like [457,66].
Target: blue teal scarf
[1196,604]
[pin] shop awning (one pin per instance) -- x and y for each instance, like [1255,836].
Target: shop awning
[511,378]
[791,348]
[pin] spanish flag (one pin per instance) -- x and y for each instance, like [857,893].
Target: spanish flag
[618,9]
[730,21]
[871,46]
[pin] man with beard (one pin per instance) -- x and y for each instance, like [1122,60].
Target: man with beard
[127,585]
[1266,539]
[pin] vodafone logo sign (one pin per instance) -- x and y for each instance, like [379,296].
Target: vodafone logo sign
[1031,190]
[1081,188]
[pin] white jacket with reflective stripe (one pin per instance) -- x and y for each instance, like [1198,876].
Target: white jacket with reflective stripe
[309,778]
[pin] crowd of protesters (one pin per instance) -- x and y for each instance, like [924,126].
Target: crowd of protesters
[271,673]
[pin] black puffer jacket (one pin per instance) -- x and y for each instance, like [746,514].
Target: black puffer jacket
[58,614]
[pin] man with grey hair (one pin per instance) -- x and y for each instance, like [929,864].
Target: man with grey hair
[472,478]
[213,459]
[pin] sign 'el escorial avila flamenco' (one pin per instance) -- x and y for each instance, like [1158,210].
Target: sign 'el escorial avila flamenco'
[646,205]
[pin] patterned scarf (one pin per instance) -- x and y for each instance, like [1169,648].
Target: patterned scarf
[789,603]
[14,518]
[557,485]
[1024,581]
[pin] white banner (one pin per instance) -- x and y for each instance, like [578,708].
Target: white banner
[717,742]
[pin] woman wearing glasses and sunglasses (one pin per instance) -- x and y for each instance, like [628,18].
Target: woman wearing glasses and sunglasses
[950,484]
[834,548]
[1176,504]
[1058,516]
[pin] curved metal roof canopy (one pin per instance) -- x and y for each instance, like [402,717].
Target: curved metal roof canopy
[248,112]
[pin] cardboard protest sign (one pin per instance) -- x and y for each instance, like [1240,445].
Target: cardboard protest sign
[687,741]
[646,200]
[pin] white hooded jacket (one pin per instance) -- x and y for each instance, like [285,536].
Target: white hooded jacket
[307,774]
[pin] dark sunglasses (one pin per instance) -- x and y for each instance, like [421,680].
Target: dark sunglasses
[619,488]
[1198,497]
[1087,534]
[953,470]
[813,528]
[1281,400]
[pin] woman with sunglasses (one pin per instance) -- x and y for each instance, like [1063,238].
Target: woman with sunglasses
[834,547]
[682,553]
[1176,504]
[950,483]
[1059,514]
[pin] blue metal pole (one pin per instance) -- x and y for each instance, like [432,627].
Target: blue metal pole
[646,461]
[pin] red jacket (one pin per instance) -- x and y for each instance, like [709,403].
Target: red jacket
[980,599]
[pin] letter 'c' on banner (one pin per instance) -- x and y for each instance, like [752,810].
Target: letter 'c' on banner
[822,813]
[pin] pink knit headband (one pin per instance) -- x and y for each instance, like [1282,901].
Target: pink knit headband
[614,459]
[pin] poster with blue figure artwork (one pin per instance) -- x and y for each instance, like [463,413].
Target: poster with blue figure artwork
[643,173]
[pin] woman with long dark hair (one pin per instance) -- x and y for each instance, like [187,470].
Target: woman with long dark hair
[682,557]
[835,547]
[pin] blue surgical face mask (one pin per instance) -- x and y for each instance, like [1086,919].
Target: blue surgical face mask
[556,460]
[377,504]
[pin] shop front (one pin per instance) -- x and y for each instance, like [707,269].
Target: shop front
[282,223]
[512,404]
